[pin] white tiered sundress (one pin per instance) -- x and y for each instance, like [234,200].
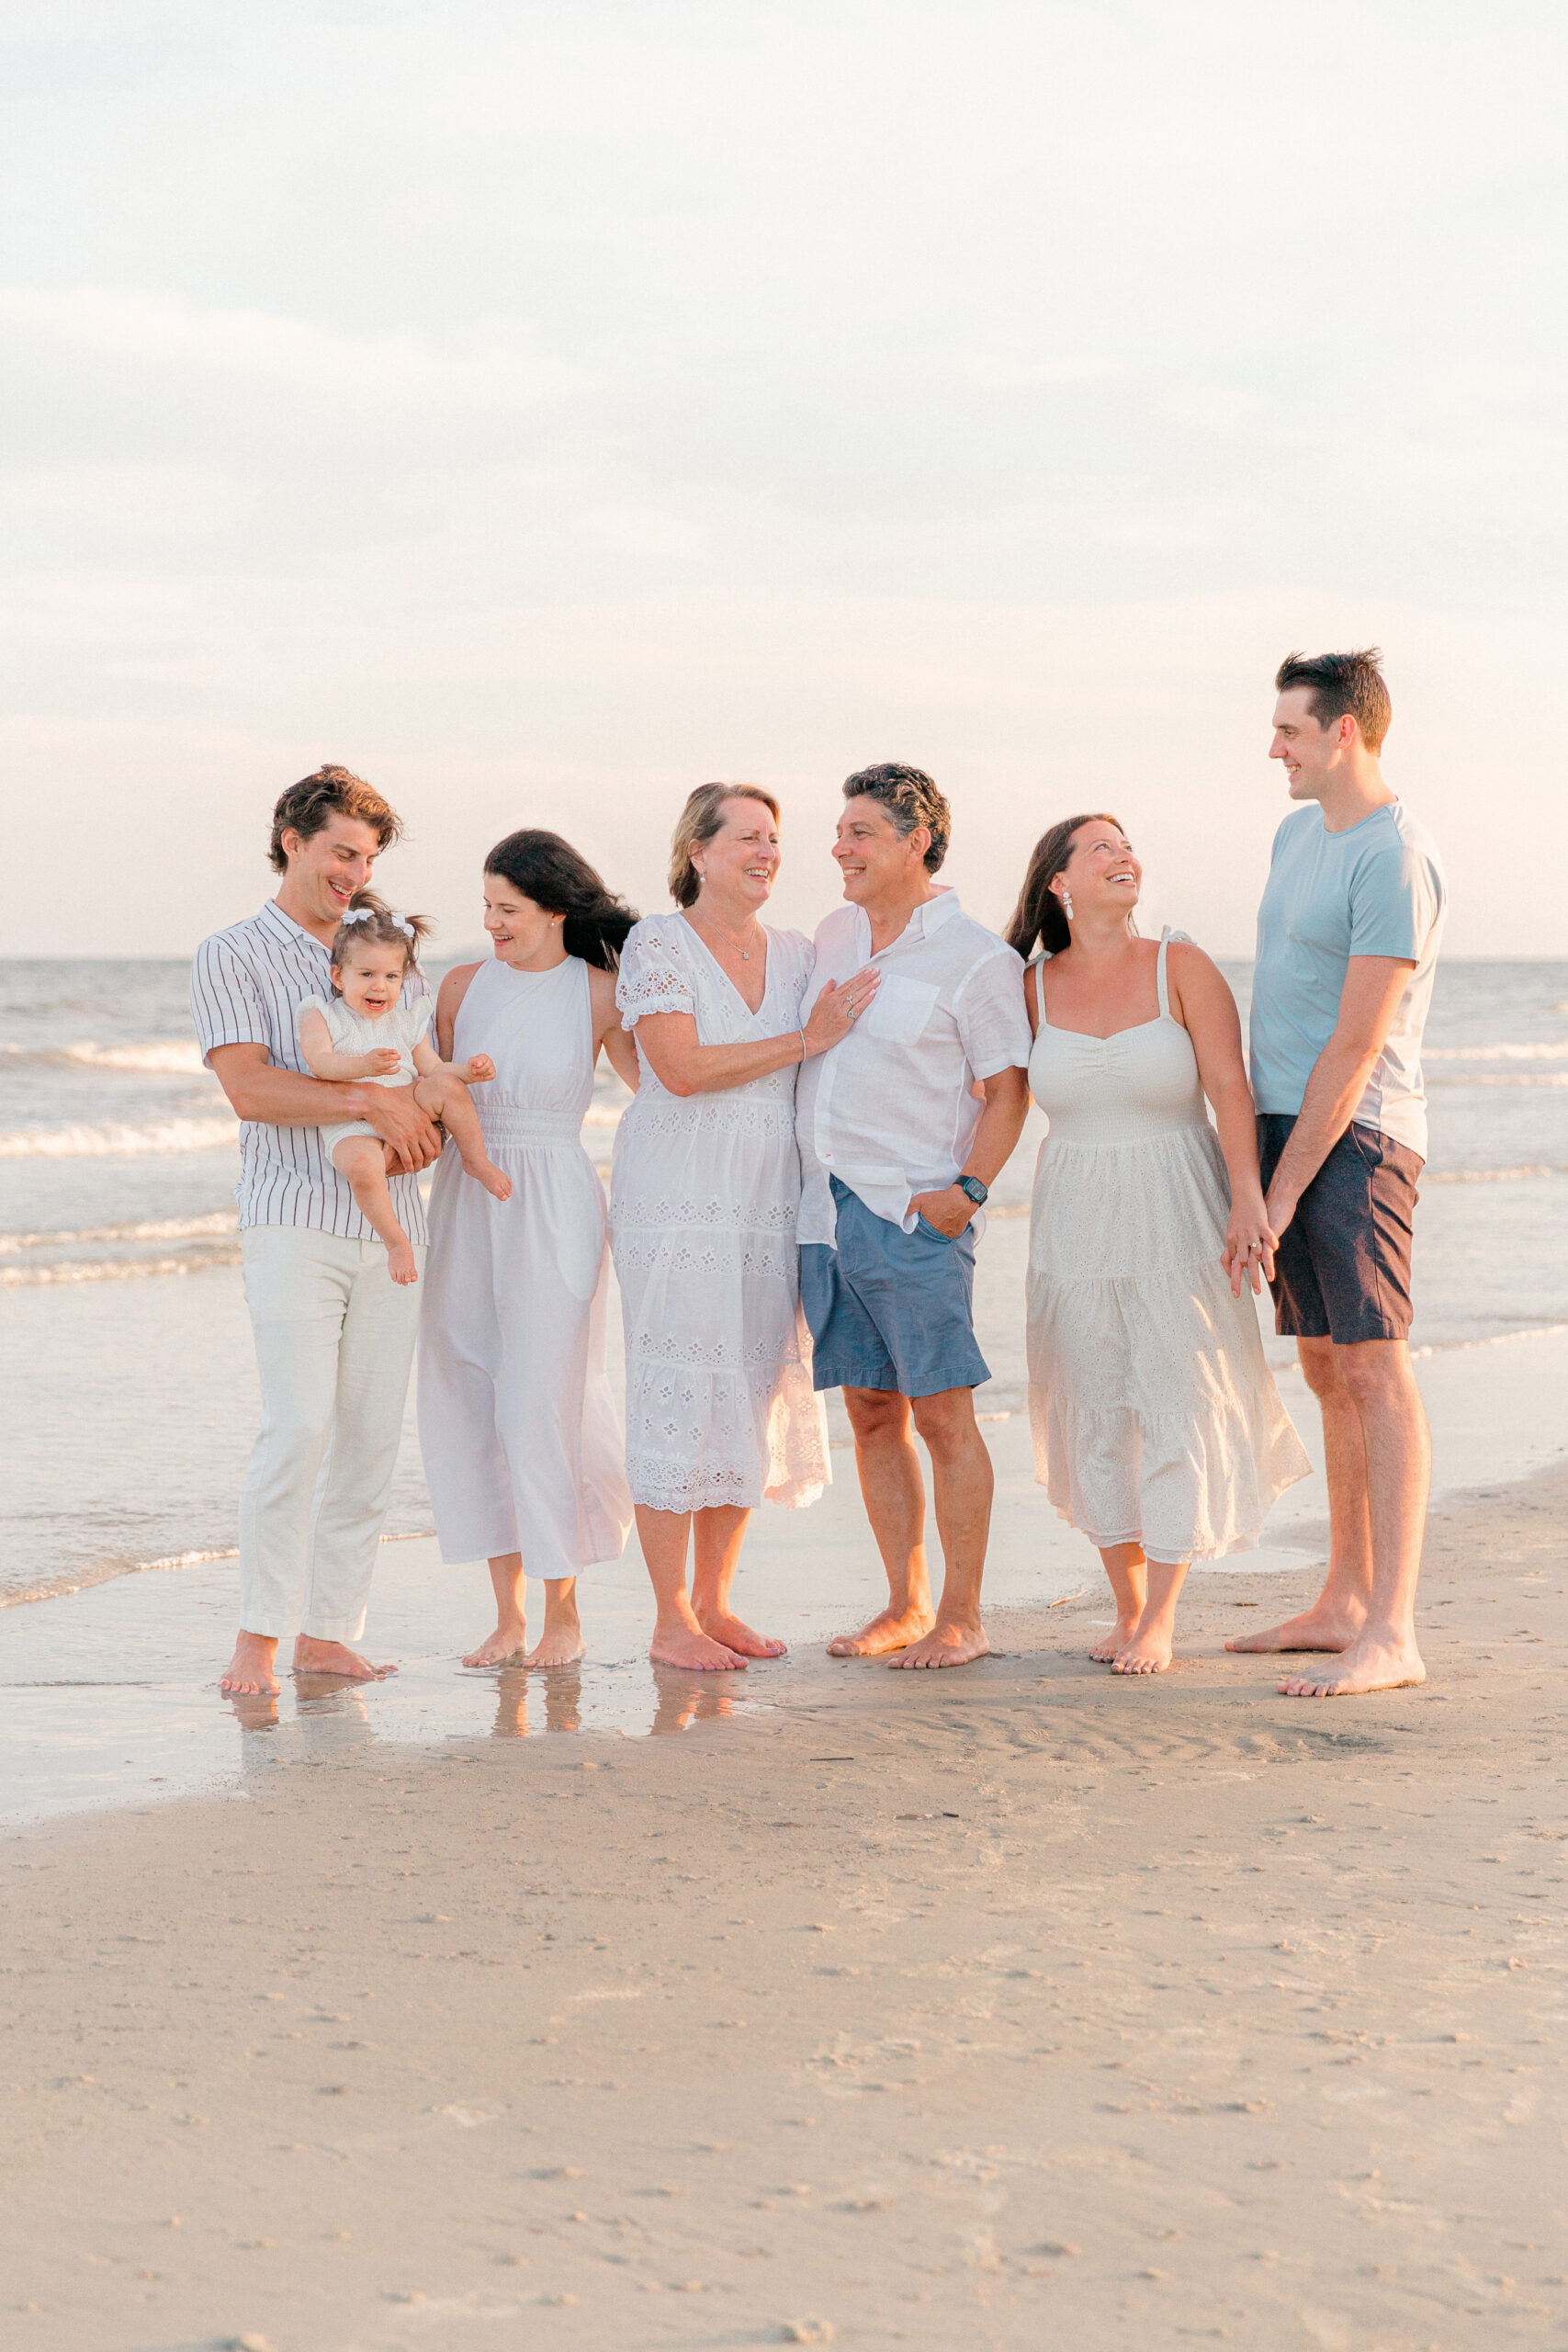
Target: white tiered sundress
[517,1419]
[1155,1416]
[721,1408]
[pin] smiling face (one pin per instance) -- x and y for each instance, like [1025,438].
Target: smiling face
[521,931]
[738,866]
[325,869]
[370,979]
[1309,753]
[874,857]
[1101,872]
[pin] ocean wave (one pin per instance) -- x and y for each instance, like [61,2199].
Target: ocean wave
[1558,1053]
[1489,1175]
[166,1229]
[118,1140]
[112,1269]
[1502,1077]
[70,1580]
[160,1054]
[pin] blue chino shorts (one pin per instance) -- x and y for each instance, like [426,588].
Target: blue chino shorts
[891,1309]
[1342,1270]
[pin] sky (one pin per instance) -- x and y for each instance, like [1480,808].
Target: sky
[543,409]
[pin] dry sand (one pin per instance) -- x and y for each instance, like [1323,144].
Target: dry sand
[1022,2006]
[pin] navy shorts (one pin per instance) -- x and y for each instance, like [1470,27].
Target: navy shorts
[891,1309]
[1342,1271]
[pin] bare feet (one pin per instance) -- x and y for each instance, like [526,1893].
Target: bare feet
[485,1172]
[894,1629]
[1317,1628]
[1110,1645]
[313,1656]
[249,1673]
[731,1634]
[689,1646]
[501,1648]
[557,1645]
[1146,1652]
[1375,1662]
[401,1263]
[945,1645]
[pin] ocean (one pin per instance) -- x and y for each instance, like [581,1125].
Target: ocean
[128,1392]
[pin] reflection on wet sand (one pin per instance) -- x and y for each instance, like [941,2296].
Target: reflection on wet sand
[683,1700]
[562,1689]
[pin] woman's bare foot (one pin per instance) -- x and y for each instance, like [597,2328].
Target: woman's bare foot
[400,1261]
[732,1634]
[557,1645]
[508,1642]
[485,1172]
[1146,1652]
[894,1629]
[249,1673]
[1376,1662]
[1110,1645]
[688,1646]
[313,1656]
[1317,1628]
[945,1645]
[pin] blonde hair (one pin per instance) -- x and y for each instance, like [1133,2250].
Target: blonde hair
[700,820]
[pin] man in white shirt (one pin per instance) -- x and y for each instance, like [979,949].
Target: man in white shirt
[334,1333]
[897,1154]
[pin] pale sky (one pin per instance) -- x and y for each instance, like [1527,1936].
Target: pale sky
[542,408]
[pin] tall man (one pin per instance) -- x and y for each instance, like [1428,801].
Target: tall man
[1347,938]
[897,1154]
[334,1333]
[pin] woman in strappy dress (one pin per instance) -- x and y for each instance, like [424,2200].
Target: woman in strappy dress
[1158,1430]
[521,1446]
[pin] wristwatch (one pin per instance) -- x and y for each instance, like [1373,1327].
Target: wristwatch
[979,1193]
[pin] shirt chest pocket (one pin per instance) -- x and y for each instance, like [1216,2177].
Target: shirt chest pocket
[900,1009]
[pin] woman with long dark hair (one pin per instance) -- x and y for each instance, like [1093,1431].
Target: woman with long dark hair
[1158,1427]
[522,1447]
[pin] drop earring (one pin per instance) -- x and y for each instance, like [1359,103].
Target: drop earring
[1068,904]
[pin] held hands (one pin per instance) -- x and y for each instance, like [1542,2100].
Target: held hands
[1250,1244]
[949,1210]
[837,1009]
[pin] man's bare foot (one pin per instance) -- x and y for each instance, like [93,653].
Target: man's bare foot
[1146,1653]
[689,1646]
[1317,1628]
[894,1629]
[732,1634]
[486,1173]
[313,1656]
[945,1645]
[508,1642]
[1110,1645]
[1376,1662]
[400,1261]
[557,1645]
[249,1673]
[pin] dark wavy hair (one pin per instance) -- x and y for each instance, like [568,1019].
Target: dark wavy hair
[1038,914]
[910,799]
[557,877]
[308,807]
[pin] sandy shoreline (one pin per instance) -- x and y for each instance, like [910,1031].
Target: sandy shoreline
[1022,2006]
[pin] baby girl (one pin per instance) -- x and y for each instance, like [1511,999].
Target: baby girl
[367,1033]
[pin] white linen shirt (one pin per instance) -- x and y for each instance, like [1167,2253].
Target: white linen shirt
[889,1111]
[246,985]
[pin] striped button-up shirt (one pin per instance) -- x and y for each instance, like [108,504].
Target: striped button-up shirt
[246,985]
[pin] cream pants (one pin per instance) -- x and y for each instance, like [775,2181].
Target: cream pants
[335,1339]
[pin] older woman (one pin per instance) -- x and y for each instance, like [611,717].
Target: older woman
[720,1409]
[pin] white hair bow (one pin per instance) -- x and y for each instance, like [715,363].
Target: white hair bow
[359,914]
[404,924]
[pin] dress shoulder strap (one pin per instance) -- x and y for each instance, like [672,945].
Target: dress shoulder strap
[1184,938]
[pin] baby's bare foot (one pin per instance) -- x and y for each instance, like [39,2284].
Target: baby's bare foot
[400,1261]
[485,1172]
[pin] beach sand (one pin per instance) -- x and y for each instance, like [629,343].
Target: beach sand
[1022,2006]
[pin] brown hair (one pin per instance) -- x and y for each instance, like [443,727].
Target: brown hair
[556,877]
[307,807]
[371,923]
[910,799]
[1039,914]
[1341,682]
[699,821]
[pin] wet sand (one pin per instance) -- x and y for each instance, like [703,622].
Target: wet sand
[1017,2007]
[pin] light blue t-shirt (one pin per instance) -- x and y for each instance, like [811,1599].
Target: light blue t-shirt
[1377,888]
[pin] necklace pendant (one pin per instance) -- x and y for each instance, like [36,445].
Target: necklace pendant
[745,954]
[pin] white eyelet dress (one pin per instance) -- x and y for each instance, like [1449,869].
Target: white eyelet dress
[516,1417]
[721,1408]
[1155,1416]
